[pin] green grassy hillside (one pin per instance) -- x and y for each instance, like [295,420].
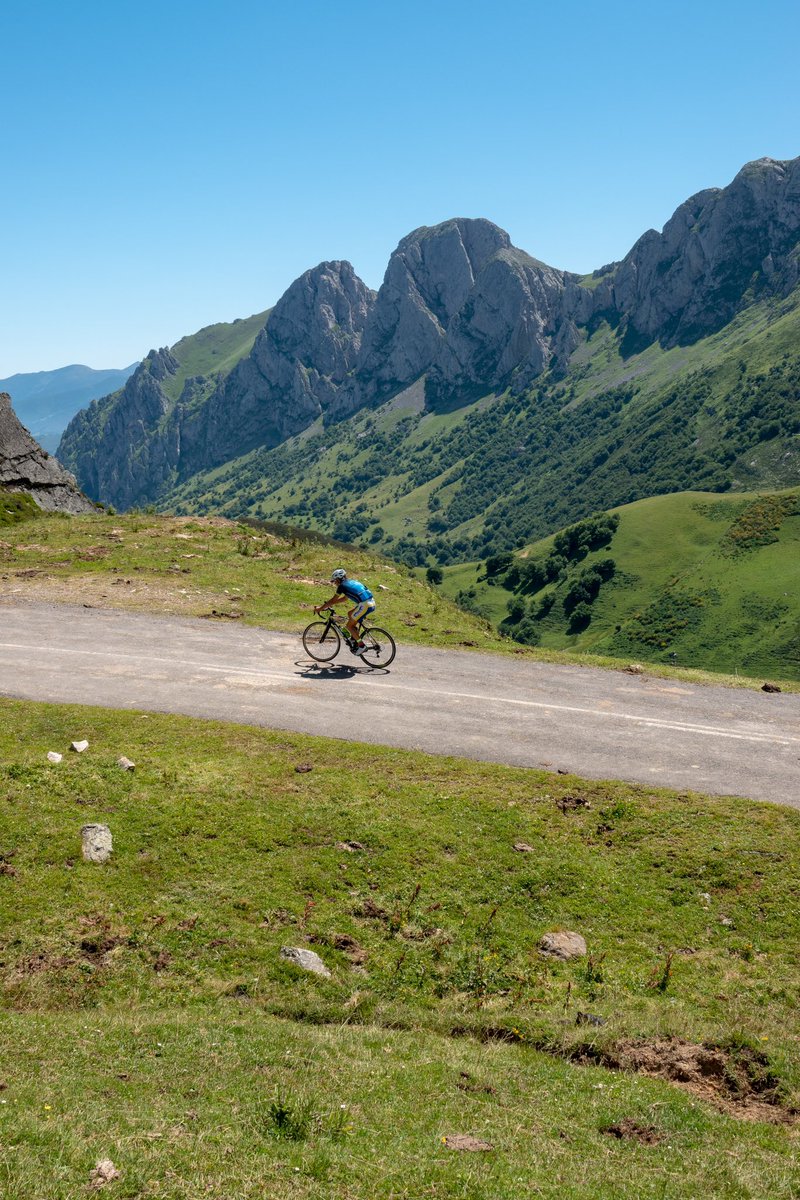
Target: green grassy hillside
[720,415]
[212,351]
[271,576]
[148,1017]
[711,581]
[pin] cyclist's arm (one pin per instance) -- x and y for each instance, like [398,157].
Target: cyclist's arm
[338,598]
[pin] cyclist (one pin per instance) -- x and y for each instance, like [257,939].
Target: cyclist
[354,591]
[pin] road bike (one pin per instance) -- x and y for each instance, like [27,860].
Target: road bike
[322,640]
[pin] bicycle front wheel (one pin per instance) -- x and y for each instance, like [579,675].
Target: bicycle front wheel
[380,647]
[321,641]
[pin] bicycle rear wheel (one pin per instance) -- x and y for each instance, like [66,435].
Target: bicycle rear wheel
[321,641]
[380,647]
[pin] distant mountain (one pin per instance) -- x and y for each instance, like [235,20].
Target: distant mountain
[46,401]
[25,467]
[480,397]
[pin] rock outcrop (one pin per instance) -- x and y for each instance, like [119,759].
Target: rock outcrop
[26,467]
[719,249]
[308,347]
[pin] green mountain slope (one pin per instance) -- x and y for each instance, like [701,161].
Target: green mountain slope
[695,579]
[722,414]
[214,350]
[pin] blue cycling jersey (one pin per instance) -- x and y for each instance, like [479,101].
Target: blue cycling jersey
[355,591]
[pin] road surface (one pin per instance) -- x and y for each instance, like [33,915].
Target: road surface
[594,723]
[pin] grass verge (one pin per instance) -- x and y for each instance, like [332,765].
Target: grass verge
[148,1015]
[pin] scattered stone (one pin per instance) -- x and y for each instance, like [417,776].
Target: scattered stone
[303,768]
[103,1173]
[634,669]
[524,848]
[464,1141]
[382,587]
[54,757]
[79,747]
[770,687]
[563,944]
[307,959]
[727,922]
[350,847]
[125,763]
[584,1018]
[648,1135]
[704,898]
[97,845]
[6,868]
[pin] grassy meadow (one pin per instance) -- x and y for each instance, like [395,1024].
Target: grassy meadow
[705,580]
[148,1017]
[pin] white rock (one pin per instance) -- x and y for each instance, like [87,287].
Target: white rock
[97,844]
[79,747]
[306,959]
[704,898]
[53,757]
[125,763]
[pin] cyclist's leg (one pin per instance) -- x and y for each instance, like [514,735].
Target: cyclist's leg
[356,616]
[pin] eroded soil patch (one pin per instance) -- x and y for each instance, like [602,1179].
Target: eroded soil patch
[737,1079]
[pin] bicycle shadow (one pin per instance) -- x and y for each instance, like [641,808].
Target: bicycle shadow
[334,671]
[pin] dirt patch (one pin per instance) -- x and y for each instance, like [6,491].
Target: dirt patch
[629,1130]
[739,1080]
[571,803]
[465,1141]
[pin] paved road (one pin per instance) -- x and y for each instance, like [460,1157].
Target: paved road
[599,724]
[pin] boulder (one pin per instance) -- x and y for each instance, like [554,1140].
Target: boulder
[96,843]
[306,959]
[562,944]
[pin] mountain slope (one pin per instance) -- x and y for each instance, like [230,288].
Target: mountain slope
[692,578]
[527,391]
[46,401]
[143,420]
[437,487]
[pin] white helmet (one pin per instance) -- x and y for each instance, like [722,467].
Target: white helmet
[338,575]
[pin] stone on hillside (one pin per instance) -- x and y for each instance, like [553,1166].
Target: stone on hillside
[54,757]
[125,763]
[97,845]
[79,747]
[306,959]
[563,944]
[635,669]
[770,687]
[103,1173]
[524,848]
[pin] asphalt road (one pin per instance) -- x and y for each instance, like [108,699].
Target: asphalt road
[598,724]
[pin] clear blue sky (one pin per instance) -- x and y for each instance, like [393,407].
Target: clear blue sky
[167,165]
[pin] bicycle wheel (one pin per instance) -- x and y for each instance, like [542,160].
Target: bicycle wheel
[321,641]
[380,647]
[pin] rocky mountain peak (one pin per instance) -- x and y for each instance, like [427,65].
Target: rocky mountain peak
[719,246]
